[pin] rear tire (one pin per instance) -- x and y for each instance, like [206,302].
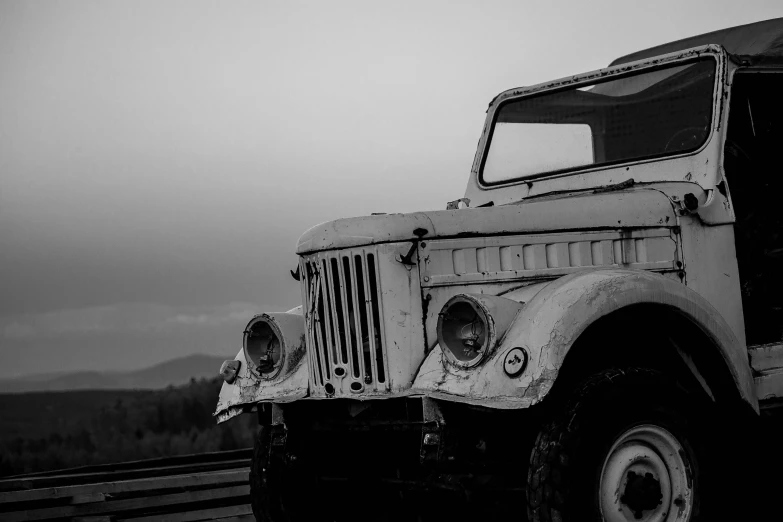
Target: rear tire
[630,444]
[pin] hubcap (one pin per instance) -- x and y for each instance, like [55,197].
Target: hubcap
[646,477]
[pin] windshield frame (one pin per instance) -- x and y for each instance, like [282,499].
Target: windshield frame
[713,52]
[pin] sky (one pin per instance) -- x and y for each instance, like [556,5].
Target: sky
[159,159]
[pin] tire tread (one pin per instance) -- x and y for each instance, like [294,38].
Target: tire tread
[547,491]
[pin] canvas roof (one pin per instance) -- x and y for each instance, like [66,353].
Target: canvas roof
[762,39]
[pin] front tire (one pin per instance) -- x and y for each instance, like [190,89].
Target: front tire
[629,446]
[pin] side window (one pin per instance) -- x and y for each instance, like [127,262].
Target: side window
[753,161]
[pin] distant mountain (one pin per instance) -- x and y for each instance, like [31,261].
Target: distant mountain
[174,372]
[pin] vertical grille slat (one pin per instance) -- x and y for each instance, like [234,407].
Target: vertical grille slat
[369,360]
[320,328]
[344,320]
[354,334]
[342,309]
[328,315]
[333,323]
[305,280]
[313,330]
[377,351]
[361,304]
[357,312]
[336,312]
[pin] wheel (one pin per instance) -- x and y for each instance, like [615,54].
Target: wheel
[265,481]
[629,446]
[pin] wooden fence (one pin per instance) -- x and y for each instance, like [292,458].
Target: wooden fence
[210,486]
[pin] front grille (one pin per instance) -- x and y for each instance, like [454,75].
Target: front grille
[344,320]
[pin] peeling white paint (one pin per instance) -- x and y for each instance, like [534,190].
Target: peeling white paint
[289,385]
[552,321]
[569,252]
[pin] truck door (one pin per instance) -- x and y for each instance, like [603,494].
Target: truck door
[753,163]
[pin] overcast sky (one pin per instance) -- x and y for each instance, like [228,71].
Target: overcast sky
[159,159]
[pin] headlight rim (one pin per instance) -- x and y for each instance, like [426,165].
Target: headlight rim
[251,363]
[489,332]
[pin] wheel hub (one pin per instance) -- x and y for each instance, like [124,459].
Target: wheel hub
[642,493]
[646,477]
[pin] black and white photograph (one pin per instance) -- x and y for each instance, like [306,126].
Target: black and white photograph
[416,261]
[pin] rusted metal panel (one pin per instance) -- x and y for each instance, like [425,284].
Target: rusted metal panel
[632,208]
[250,387]
[657,246]
[551,322]
[464,261]
[363,313]
[571,247]
[711,269]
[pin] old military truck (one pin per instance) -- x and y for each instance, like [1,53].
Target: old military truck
[584,331]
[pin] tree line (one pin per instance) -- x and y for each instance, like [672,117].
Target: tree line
[170,422]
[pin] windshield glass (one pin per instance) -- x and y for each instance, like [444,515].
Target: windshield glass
[644,115]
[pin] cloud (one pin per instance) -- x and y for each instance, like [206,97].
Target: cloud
[121,336]
[150,318]
[16,330]
[231,313]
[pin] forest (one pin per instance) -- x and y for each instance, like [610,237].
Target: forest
[54,430]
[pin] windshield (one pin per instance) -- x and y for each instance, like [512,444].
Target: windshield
[648,114]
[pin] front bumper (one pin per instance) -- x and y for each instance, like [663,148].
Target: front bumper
[347,449]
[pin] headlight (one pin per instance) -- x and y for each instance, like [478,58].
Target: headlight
[463,331]
[263,347]
[469,326]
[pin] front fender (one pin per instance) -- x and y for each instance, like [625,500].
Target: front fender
[250,388]
[550,323]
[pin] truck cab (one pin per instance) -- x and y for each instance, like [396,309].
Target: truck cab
[580,335]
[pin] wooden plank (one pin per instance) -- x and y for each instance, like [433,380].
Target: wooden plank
[68,480]
[766,357]
[202,514]
[124,486]
[115,506]
[180,460]
[240,518]
[88,498]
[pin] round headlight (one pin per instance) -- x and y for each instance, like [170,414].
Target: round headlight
[463,331]
[264,347]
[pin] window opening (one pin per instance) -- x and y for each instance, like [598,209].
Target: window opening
[646,114]
[755,179]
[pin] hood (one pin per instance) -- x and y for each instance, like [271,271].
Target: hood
[636,207]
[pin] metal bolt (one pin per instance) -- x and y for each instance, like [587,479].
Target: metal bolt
[426,278]
[690,201]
